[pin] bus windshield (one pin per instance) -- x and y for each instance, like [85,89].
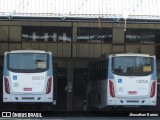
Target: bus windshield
[132,65]
[27,62]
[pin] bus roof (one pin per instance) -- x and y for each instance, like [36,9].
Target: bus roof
[132,54]
[106,55]
[28,51]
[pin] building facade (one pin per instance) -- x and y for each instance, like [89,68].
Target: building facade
[73,44]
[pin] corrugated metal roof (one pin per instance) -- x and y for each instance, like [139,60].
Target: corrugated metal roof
[131,9]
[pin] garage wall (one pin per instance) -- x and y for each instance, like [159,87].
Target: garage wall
[10,31]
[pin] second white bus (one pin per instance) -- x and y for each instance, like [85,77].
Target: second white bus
[125,79]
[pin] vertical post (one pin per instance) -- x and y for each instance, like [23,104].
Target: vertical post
[125,16]
[8,37]
[125,21]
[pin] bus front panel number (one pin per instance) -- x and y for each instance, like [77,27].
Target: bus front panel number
[37,77]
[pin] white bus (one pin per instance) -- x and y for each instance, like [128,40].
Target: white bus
[28,77]
[124,79]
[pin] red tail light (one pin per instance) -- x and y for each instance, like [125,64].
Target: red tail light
[49,85]
[111,88]
[6,84]
[153,89]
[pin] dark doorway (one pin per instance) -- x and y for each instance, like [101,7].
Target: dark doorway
[157,40]
[1,84]
[157,36]
[61,85]
[79,88]
[158,52]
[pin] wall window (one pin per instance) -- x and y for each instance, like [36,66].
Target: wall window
[83,34]
[140,36]
[106,34]
[148,36]
[94,34]
[46,33]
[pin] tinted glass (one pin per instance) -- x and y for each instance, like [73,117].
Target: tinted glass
[140,36]
[132,65]
[94,34]
[28,61]
[55,34]
[83,34]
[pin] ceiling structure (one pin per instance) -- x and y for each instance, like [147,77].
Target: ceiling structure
[114,10]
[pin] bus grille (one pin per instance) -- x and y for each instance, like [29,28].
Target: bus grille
[132,101]
[27,98]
